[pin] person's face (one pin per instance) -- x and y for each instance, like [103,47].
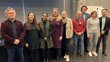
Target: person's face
[104,12]
[94,15]
[11,14]
[84,9]
[44,16]
[64,14]
[55,12]
[31,17]
[79,15]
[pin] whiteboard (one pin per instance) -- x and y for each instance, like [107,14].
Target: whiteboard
[95,8]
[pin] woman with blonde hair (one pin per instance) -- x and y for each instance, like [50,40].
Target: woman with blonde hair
[57,31]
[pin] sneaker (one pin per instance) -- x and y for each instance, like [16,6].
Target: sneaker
[90,54]
[94,53]
[67,58]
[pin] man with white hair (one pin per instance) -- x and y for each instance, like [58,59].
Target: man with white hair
[79,27]
[13,33]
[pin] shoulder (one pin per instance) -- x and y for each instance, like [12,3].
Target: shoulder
[108,18]
[18,21]
[69,20]
[5,22]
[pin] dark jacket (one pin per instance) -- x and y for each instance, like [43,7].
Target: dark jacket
[7,33]
[107,25]
[45,33]
[32,36]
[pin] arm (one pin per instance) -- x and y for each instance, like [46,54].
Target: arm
[23,31]
[74,27]
[88,28]
[5,35]
[84,26]
[61,29]
[98,28]
[71,28]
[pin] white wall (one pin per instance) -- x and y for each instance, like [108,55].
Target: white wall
[104,3]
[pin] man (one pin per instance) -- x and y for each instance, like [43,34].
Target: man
[104,31]
[79,27]
[85,16]
[13,33]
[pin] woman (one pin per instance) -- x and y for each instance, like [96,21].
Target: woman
[57,31]
[67,34]
[45,36]
[93,33]
[32,36]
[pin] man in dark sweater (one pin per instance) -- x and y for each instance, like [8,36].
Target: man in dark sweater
[13,33]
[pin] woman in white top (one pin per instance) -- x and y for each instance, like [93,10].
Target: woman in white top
[93,33]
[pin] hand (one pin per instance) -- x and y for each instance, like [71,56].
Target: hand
[60,38]
[45,38]
[16,42]
[27,45]
[88,37]
[102,32]
[79,34]
[98,36]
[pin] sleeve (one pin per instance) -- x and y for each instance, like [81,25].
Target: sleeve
[61,28]
[87,28]
[98,28]
[71,28]
[5,35]
[50,30]
[74,26]
[23,32]
[84,26]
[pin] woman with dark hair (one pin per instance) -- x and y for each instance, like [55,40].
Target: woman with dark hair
[45,36]
[32,36]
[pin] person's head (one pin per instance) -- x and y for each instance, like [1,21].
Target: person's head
[10,13]
[94,14]
[104,12]
[31,17]
[84,9]
[79,14]
[44,16]
[64,14]
[55,12]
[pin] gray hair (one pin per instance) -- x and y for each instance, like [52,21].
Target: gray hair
[8,9]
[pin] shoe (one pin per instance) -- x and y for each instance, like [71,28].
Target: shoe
[104,53]
[81,55]
[67,58]
[90,54]
[46,60]
[94,53]
[74,55]
[97,52]
[58,59]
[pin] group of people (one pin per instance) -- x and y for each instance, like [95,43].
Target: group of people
[87,32]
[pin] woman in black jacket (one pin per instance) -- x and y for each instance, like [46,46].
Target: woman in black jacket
[32,36]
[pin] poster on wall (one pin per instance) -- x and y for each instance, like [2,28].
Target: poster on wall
[95,8]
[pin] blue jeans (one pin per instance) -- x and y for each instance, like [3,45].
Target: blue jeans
[78,44]
[18,50]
